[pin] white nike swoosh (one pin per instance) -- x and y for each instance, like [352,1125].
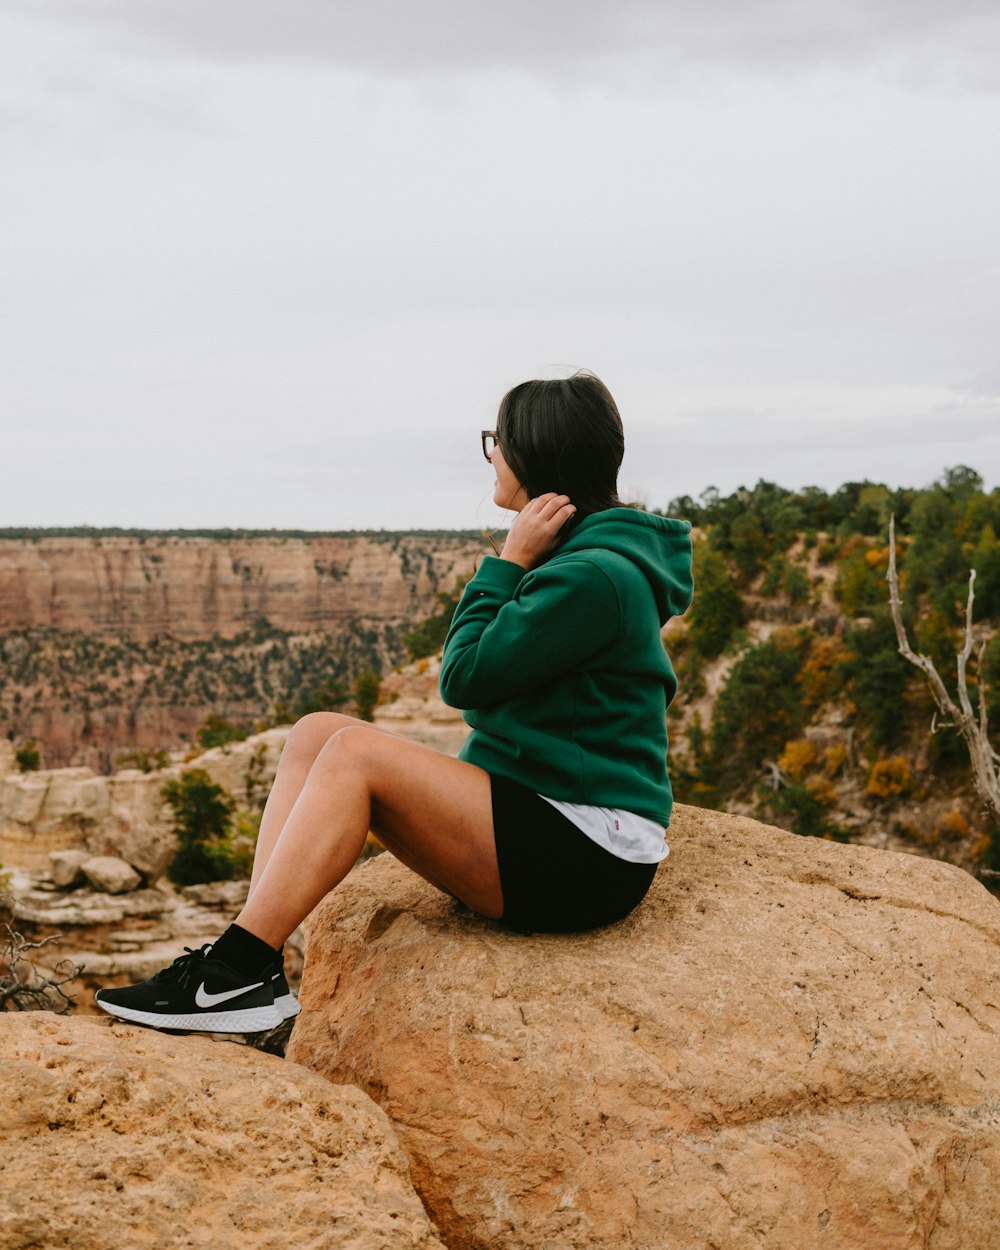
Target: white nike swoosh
[204,999]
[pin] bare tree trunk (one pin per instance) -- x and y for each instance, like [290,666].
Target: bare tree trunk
[983,758]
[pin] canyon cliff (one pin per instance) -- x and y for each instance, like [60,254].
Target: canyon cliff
[116,641]
[172,585]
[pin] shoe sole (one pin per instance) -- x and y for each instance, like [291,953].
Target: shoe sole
[245,1020]
[288,1005]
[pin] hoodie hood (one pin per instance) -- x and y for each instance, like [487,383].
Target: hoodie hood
[660,546]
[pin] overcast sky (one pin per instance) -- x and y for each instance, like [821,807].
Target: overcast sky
[274,262]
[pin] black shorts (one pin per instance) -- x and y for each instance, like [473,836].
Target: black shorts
[554,878]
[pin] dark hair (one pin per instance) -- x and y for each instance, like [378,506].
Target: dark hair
[564,436]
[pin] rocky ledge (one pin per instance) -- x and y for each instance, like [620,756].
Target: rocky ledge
[791,1043]
[115,1135]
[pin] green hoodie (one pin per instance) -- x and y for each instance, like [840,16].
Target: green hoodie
[561,670]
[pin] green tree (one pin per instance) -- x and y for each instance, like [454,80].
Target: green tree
[860,583]
[760,708]
[428,638]
[28,756]
[366,693]
[877,678]
[717,610]
[216,731]
[327,694]
[985,559]
[203,814]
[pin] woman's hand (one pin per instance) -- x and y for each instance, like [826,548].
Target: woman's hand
[535,531]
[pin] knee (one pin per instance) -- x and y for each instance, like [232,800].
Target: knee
[348,740]
[311,733]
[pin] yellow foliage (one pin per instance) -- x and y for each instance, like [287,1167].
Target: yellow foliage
[981,846]
[834,758]
[797,757]
[856,542]
[818,677]
[877,557]
[823,791]
[889,778]
[953,825]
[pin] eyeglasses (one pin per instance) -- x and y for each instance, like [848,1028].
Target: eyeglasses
[489,443]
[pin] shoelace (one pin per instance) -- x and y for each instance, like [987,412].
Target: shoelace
[182,967]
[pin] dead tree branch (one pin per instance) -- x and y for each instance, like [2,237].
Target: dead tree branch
[973,729]
[22,986]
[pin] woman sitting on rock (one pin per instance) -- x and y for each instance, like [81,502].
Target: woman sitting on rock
[553,816]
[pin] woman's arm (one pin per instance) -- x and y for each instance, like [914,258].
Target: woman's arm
[514,631]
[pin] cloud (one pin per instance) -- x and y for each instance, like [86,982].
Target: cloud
[553,38]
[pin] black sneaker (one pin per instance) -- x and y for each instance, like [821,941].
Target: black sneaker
[284,999]
[197,992]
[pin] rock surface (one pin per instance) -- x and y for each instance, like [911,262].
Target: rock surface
[190,587]
[116,1136]
[790,1044]
[65,867]
[410,704]
[131,615]
[8,758]
[110,874]
[125,813]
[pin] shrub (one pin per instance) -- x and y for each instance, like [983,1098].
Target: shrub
[785,578]
[203,814]
[216,731]
[717,610]
[366,693]
[859,587]
[889,779]
[760,708]
[953,826]
[146,761]
[428,638]
[797,757]
[28,756]
[327,694]
[774,577]
[834,759]
[805,811]
[877,677]
[796,584]
[822,677]
[987,849]
[823,791]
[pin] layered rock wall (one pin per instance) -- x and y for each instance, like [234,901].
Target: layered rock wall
[110,643]
[185,587]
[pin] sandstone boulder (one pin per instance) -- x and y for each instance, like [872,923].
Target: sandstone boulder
[116,1136]
[65,867]
[142,834]
[791,1044]
[124,814]
[110,874]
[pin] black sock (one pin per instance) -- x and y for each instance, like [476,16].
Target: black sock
[244,952]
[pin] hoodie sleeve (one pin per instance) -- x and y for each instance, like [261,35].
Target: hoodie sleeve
[514,631]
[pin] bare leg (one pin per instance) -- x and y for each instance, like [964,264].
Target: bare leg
[432,811]
[309,736]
